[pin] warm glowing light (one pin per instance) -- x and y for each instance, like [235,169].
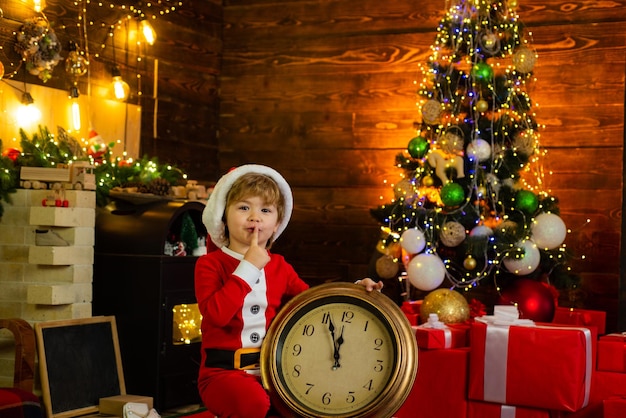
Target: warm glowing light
[119,86]
[148,31]
[74,108]
[27,114]
[39,5]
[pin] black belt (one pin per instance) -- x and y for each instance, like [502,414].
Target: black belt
[241,359]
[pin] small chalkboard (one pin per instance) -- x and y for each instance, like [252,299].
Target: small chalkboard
[79,362]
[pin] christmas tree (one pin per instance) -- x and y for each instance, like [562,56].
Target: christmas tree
[471,207]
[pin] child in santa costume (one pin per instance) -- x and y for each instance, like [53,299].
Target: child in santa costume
[241,286]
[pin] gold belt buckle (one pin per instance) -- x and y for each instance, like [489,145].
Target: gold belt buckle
[237,358]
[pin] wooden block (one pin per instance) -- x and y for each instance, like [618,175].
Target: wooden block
[60,256]
[53,216]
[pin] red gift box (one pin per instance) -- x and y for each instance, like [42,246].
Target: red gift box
[615,407]
[547,367]
[612,353]
[580,317]
[411,309]
[477,409]
[440,387]
[450,336]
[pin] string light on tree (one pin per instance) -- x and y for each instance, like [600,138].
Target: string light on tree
[475,161]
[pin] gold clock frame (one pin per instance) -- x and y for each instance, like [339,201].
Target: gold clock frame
[397,389]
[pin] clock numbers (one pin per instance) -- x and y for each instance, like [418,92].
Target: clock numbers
[296,350]
[379,366]
[326,398]
[365,327]
[350,398]
[308,330]
[347,317]
[378,343]
[297,369]
[368,385]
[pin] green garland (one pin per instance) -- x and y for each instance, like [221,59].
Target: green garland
[44,149]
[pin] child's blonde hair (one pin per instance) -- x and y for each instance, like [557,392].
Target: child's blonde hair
[256,185]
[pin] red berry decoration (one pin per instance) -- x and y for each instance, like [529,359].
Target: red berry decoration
[534,299]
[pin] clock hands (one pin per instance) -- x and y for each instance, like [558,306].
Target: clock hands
[337,347]
[336,343]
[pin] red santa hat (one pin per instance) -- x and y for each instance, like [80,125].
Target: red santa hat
[216,205]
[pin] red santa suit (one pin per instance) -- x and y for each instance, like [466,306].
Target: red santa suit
[238,302]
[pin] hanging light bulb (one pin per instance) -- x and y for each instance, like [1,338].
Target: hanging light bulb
[39,5]
[74,108]
[148,31]
[27,113]
[119,86]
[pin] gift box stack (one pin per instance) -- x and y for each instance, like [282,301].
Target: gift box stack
[502,366]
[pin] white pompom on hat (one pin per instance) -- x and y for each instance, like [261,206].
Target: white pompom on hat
[213,213]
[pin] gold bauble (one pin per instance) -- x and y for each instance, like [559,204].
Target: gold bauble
[386,267]
[482,106]
[469,263]
[450,306]
[428,181]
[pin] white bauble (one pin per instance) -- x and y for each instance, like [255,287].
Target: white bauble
[548,231]
[413,240]
[527,263]
[452,234]
[426,271]
[479,149]
[481,231]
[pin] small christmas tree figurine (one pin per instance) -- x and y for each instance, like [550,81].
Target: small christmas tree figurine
[472,202]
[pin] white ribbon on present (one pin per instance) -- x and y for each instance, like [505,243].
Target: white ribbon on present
[496,351]
[433,322]
[507,411]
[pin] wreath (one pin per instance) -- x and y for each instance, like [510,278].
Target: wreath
[39,47]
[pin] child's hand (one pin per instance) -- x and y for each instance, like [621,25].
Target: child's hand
[370,284]
[255,254]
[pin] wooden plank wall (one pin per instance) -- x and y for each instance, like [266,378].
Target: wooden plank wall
[323,91]
[188,51]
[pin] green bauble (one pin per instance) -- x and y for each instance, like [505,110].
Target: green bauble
[418,147]
[452,194]
[482,71]
[526,201]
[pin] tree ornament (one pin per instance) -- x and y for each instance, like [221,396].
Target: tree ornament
[479,150]
[450,306]
[413,240]
[526,201]
[482,71]
[481,231]
[533,299]
[524,142]
[548,231]
[1,70]
[431,111]
[452,194]
[442,161]
[525,263]
[482,105]
[426,271]
[452,234]
[427,181]
[524,60]
[489,42]
[418,147]
[386,267]
[469,263]
[450,142]
[404,188]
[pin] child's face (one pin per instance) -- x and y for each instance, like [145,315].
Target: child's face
[243,216]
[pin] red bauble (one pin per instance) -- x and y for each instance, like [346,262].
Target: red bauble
[534,299]
[11,153]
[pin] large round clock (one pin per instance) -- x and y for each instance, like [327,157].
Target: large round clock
[337,350]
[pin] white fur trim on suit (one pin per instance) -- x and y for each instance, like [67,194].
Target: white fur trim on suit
[216,205]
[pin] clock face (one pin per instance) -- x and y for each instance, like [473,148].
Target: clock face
[339,354]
